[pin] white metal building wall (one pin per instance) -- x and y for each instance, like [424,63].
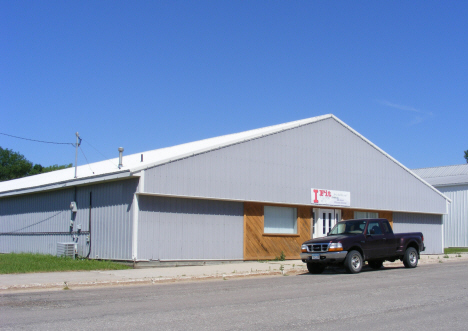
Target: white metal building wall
[111,218]
[430,226]
[36,222]
[456,221]
[283,167]
[189,229]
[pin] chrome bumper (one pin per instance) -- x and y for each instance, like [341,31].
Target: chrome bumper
[324,257]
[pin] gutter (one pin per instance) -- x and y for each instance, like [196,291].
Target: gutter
[69,183]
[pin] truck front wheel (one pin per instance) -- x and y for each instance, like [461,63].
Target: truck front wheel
[353,262]
[315,268]
[410,260]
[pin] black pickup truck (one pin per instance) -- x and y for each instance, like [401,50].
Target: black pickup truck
[353,242]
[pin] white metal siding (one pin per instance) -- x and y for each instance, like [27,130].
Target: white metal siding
[456,221]
[429,225]
[111,218]
[36,222]
[189,229]
[283,167]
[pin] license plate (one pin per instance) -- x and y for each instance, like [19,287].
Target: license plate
[315,256]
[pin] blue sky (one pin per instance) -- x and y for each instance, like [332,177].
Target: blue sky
[152,74]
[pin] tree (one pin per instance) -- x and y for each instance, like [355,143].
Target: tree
[14,165]
[55,167]
[466,156]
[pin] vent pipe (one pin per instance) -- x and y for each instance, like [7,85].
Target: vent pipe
[120,157]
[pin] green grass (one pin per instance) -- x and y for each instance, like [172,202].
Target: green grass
[454,250]
[27,262]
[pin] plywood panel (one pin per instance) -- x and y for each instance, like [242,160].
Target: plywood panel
[260,246]
[347,214]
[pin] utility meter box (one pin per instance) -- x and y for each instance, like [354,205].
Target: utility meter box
[73,207]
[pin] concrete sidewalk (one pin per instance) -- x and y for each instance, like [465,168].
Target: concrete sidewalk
[79,279]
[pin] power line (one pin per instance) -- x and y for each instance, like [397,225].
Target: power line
[81,149]
[39,141]
[105,157]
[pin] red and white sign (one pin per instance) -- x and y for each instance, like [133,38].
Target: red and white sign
[330,198]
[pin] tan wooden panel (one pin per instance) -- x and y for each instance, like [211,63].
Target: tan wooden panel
[347,214]
[260,246]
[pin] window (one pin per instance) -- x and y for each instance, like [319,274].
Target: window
[280,220]
[374,228]
[365,214]
[313,221]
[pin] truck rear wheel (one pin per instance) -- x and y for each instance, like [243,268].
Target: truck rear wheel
[315,268]
[410,259]
[353,262]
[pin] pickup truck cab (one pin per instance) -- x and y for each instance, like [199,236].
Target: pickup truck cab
[353,242]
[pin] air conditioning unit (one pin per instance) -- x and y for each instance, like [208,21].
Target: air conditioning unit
[66,249]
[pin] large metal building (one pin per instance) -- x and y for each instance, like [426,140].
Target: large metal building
[452,181]
[245,196]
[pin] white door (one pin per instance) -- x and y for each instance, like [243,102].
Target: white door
[324,221]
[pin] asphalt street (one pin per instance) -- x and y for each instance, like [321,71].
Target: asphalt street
[430,297]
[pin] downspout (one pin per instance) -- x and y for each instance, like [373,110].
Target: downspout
[89,222]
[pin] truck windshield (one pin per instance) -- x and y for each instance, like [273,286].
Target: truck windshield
[349,227]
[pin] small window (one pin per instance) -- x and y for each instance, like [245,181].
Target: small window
[281,220]
[374,228]
[365,214]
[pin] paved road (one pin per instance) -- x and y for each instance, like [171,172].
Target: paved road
[430,297]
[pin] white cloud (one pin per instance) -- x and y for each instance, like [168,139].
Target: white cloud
[401,107]
[418,115]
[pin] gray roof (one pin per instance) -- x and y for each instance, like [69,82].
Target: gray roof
[444,176]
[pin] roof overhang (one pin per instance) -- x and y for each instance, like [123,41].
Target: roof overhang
[71,183]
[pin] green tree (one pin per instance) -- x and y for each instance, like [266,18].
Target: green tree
[55,167]
[15,165]
[466,156]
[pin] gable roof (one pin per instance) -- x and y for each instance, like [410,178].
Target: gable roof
[108,169]
[132,164]
[444,176]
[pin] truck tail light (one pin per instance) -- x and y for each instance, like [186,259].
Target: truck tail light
[422,237]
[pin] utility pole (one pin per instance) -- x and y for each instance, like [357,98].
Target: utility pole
[78,143]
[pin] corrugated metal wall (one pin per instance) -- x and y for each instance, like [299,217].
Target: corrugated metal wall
[189,229]
[283,167]
[429,225]
[36,222]
[111,218]
[456,222]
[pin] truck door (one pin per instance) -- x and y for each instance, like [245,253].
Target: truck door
[375,246]
[391,241]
